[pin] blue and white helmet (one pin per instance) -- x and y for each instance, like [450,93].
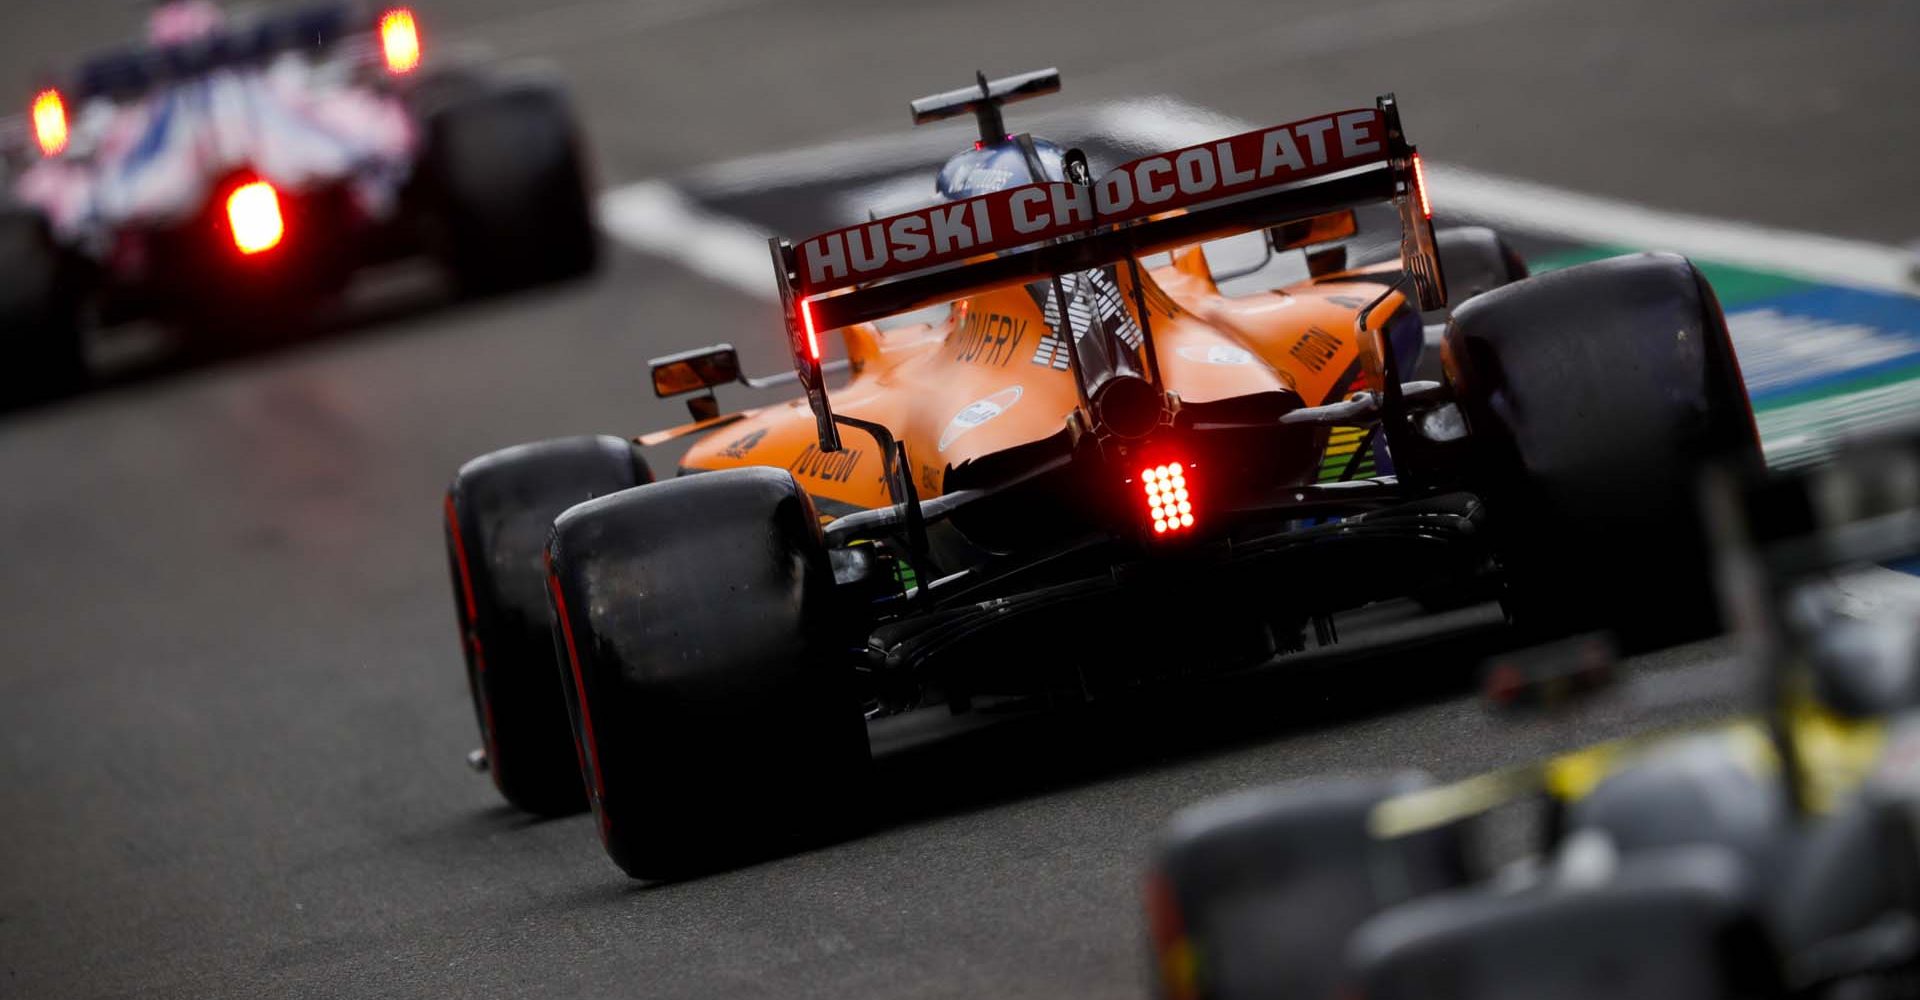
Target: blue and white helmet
[987,168]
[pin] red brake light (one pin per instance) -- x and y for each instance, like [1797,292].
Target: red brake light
[806,322]
[1169,502]
[50,122]
[1420,185]
[253,215]
[399,41]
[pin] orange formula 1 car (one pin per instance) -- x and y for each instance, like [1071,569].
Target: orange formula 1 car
[1096,470]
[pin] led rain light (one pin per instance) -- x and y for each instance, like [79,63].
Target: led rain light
[253,213]
[1420,185]
[806,322]
[1169,503]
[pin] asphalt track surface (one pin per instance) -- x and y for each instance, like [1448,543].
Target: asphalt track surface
[231,705]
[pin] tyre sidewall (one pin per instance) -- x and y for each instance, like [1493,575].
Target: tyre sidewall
[710,685]
[1475,260]
[503,506]
[40,326]
[504,184]
[1596,396]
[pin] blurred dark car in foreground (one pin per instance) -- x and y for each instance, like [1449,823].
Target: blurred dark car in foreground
[227,175]
[1769,855]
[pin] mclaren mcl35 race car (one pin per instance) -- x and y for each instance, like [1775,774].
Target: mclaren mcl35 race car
[1775,854]
[226,173]
[1094,472]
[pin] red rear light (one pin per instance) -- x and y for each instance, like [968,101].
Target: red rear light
[253,215]
[399,41]
[1420,186]
[1169,501]
[50,122]
[806,323]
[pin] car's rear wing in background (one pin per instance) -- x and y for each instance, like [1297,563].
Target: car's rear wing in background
[127,72]
[985,100]
[1237,184]
[386,37]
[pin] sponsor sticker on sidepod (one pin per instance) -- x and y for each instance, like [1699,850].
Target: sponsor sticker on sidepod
[979,412]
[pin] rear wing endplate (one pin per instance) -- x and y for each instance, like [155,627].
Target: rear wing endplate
[1237,184]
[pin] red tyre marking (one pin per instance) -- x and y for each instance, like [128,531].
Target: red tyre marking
[592,748]
[478,654]
[460,558]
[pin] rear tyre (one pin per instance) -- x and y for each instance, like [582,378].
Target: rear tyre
[709,679]
[1684,922]
[1475,260]
[1594,397]
[1255,894]
[505,184]
[41,355]
[499,512]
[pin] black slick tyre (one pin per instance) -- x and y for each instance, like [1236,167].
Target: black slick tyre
[41,353]
[710,681]
[1253,895]
[1475,260]
[505,185]
[498,514]
[1595,397]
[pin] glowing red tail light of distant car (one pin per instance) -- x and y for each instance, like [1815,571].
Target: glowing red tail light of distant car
[253,215]
[399,41]
[1169,501]
[50,122]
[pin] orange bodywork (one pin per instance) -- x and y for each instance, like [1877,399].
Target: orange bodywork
[992,375]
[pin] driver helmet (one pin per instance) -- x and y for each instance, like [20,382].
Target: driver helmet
[987,168]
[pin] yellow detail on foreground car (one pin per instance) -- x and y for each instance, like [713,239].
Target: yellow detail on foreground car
[1768,855]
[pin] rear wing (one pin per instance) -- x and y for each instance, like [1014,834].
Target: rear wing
[125,72]
[985,100]
[388,38]
[129,72]
[1237,184]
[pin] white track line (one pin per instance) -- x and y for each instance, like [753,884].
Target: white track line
[654,217]
[1538,208]
[918,147]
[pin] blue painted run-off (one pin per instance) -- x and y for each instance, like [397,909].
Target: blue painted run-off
[1823,336]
